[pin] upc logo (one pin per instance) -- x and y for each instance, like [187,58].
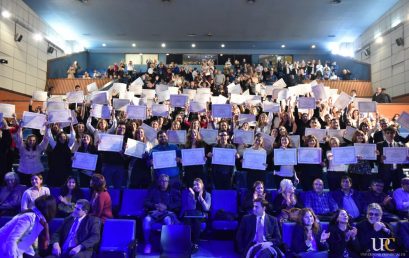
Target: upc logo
[383,244]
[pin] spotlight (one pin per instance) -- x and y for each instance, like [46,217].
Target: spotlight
[313,46]
[222,45]
[163,45]
[50,50]
[38,37]
[6,14]
[18,37]
[104,45]
[193,45]
[133,45]
[283,46]
[4,61]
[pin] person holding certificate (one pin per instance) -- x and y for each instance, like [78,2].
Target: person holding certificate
[87,146]
[102,126]
[334,172]
[361,171]
[310,172]
[263,124]
[140,170]
[254,175]
[285,171]
[195,171]
[222,174]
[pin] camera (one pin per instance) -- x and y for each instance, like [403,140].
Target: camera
[4,61]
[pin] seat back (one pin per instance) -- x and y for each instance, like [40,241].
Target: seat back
[118,234]
[175,241]
[224,200]
[132,202]
[288,228]
[115,199]
[54,224]
[86,192]
[55,191]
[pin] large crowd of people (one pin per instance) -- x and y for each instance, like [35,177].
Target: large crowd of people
[364,195]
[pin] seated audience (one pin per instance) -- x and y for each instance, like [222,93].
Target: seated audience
[69,194]
[308,236]
[11,194]
[78,235]
[348,199]
[101,205]
[258,233]
[286,198]
[373,228]
[32,193]
[198,207]
[257,191]
[401,197]
[320,202]
[162,204]
[342,241]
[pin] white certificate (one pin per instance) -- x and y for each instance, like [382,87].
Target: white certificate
[8,110]
[75,96]
[34,120]
[92,87]
[308,155]
[160,110]
[395,155]
[135,148]
[268,141]
[295,140]
[198,106]
[40,95]
[224,156]
[366,151]
[100,97]
[191,157]
[339,133]
[243,137]
[203,97]
[280,84]
[344,155]
[204,91]
[209,136]
[164,159]
[300,89]
[110,142]
[54,106]
[271,107]
[163,96]
[247,118]
[285,156]
[120,104]
[190,93]
[84,161]
[349,133]
[178,100]
[283,94]
[218,100]
[253,100]
[176,136]
[173,90]
[101,111]
[149,94]
[136,112]
[59,116]
[150,133]
[366,106]
[234,88]
[319,133]
[237,99]
[306,103]
[138,82]
[275,93]
[319,92]
[253,159]
[160,88]
[136,89]
[127,95]
[118,87]
[221,110]
[404,120]
[342,101]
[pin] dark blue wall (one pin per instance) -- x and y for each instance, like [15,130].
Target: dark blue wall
[101,61]
[57,68]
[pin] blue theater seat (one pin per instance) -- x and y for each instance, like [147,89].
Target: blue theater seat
[54,224]
[115,199]
[4,220]
[175,241]
[132,202]
[225,200]
[118,237]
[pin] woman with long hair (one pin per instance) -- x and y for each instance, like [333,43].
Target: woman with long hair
[257,191]
[310,172]
[140,171]
[254,175]
[32,193]
[342,242]
[194,140]
[334,171]
[308,236]
[83,177]
[101,205]
[69,194]
[284,171]
[286,198]
[20,233]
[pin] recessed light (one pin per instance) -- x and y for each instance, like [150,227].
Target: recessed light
[221,54]
[163,45]
[379,40]
[6,14]
[331,36]
[104,45]
[140,54]
[188,56]
[133,45]
[313,46]
[282,46]
[167,54]
[193,45]
[191,35]
[38,36]
[222,45]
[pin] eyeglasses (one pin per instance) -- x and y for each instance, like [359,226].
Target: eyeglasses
[389,132]
[374,214]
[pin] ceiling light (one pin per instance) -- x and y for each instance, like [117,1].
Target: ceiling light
[313,46]
[104,45]
[163,45]
[140,54]
[38,36]
[6,14]
[379,40]
[221,54]
[191,35]
[167,54]
[222,45]
[283,46]
[193,45]
[251,1]
[133,45]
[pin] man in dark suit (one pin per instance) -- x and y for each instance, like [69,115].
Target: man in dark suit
[258,232]
[78,234]
[389,172]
